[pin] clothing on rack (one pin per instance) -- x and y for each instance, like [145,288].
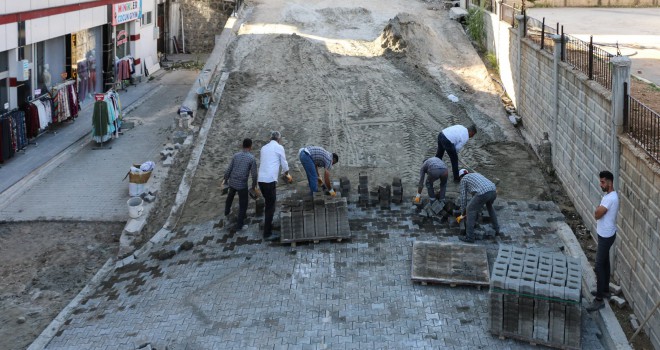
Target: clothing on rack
[12,134]
[106,118]
[125,68]
[65,101]
[38,114]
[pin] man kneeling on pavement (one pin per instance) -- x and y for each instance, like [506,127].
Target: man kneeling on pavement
[483,191]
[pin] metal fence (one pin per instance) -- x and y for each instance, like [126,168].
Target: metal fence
[540,33]
[588,58]
[642,124]
[486,4]
[508,14]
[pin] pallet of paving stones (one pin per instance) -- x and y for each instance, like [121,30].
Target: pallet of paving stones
[451,264]
[312,220]
[535,297]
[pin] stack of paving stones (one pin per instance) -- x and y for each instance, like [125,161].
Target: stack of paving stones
[363,191]
[535,297]
[384,196]
[320,218]
[397,191]
[344,187]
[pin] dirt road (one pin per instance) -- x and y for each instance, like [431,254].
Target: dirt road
[368,81]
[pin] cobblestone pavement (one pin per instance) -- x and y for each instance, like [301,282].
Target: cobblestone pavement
[233,291]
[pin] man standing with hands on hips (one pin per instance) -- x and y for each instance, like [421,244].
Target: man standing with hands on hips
[605,216]
[272,158]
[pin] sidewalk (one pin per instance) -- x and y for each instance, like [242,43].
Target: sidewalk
[88,184]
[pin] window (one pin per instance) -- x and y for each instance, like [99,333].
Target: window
[146,18]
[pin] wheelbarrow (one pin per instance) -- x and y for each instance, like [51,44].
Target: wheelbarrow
[204,94]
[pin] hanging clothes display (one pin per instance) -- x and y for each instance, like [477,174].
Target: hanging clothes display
[38,115]
[65,101]
[13,136]
[125,68]
[106,119]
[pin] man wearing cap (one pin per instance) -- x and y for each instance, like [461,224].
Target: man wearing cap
[242,165]
[313,157]
[272,158]
[452,139]
[436,169]
[483,192]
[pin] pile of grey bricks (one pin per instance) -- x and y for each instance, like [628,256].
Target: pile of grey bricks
[397,191]
[535,297]
[363,191]
[344,187]
[314,219]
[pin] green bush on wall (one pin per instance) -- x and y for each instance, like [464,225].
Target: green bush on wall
[475,25]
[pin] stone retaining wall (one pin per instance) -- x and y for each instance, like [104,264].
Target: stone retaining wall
[202,20]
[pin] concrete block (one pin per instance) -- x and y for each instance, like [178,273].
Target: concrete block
[331,224]
[615,289]
[510,311]
[527,284]
[572,290]
[526,317]
[542,286]
[556,289]
[512,282]
[309,224]
[634,323]
[319,221]
[573,326]
[286,227]
[343,228]
[618,301]
[496,312]
[541,320]
[557,323]
[297,223]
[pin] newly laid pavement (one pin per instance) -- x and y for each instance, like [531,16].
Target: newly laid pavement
[234,291]
[81,182]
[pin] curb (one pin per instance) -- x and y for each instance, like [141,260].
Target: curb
[613,336]
[47,334]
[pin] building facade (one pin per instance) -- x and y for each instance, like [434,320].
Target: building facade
[44,44]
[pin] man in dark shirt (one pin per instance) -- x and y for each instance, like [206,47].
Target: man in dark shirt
[242,165]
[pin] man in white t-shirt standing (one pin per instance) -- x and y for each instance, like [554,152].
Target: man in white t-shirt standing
[272,159]
[606,228]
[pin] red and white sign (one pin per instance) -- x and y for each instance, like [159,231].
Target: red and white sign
[122,38]
[99,97]
[126,11]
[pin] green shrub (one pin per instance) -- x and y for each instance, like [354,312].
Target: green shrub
[475,25]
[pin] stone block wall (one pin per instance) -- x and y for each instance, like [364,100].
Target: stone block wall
[637,258]
[202,20]
[582,148]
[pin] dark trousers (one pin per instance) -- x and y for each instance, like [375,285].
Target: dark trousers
[269,191]
[474,207]
[242,204]
[445,145]
[603,265]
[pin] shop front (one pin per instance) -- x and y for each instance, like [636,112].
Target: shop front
[125,21]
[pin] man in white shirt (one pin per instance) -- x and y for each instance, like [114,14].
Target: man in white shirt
[605,216]
[452,139]
[272,158]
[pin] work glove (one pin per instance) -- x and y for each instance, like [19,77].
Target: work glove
[333,193]
[417,199]
[460,218]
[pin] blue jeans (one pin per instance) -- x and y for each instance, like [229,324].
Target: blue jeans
[474,207]
[310,170]
[603,265]
[445,145]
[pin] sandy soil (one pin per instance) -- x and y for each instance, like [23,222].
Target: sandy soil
[368,81]
[40,274]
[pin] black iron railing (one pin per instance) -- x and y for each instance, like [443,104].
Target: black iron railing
[508,13]
[642,124]
[588,58]
[540,33]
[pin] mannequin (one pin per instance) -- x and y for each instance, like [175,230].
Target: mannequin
[47,79]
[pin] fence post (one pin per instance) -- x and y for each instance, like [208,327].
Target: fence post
[521,35]
[555,90]
[620,75]
[591,57]
[626,109]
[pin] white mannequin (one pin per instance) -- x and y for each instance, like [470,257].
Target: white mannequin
[46,75]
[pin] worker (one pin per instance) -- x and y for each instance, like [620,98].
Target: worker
[452,139]
[483,191]
[243,164]
[436,169]
[605,216]
[313,157]
[272,158]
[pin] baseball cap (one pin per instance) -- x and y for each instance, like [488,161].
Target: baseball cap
[462,172]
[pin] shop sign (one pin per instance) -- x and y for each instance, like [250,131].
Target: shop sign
[122,38]
[99,97]
[37,92]
[126,12]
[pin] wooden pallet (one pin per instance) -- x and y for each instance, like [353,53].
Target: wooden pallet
[533,342]
[451,264]
[314,240]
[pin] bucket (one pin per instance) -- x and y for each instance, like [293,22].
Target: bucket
[135,208]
